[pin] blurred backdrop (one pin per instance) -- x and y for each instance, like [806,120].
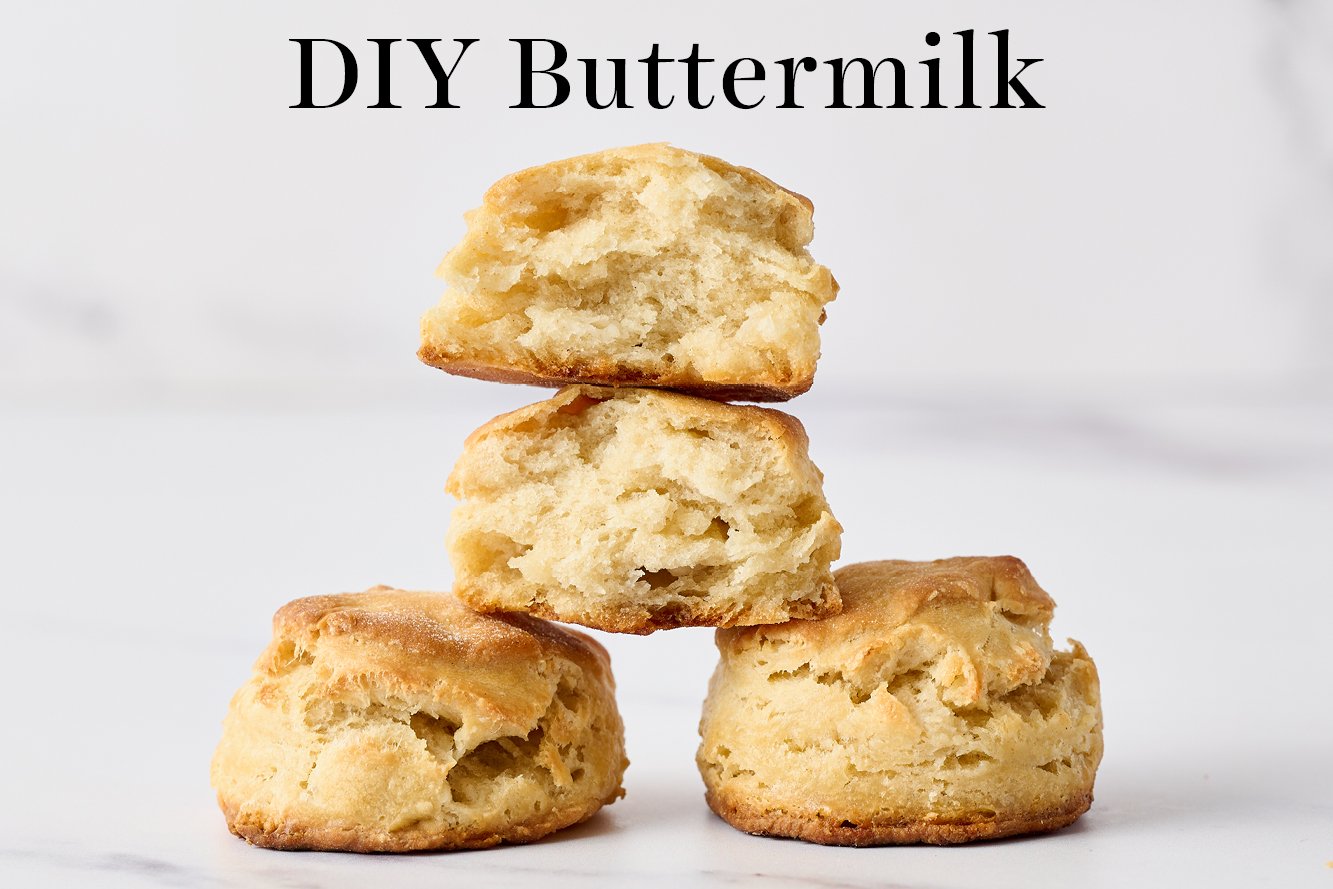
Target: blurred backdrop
[172,231]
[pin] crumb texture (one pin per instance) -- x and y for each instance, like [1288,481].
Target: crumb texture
[393,721]
[631,510]
[649,266]
[934,708]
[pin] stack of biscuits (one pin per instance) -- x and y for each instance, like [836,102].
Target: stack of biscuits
[889,702]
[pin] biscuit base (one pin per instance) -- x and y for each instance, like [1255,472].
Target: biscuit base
[830,831]
[612,375]
[293,836]
[636,622]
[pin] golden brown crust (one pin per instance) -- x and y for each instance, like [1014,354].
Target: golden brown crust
[1004,580]
[294,836]
[437,627]
[550,376]
[637,622]
[814,827]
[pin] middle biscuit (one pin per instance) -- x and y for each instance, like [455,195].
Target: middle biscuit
[634,510]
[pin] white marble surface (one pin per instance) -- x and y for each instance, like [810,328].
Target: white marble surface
[1187,545]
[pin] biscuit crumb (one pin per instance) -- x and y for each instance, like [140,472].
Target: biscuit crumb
[647,266]
[634,510]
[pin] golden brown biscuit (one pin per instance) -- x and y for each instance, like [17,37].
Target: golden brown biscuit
[933,709]
[642,266]
[388,721]
[633,510]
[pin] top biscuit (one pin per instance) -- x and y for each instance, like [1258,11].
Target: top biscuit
[642,266]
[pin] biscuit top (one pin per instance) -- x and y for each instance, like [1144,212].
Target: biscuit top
[571,402]
[521,191]
[892,591]
[978,623]
[427,647]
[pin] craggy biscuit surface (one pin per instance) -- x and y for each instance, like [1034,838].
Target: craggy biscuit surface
[640,266]
[933,709]
[390,721]
[632,510]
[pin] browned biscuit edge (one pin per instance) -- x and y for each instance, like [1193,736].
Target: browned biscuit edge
[294,836]
[634,622]
[817,828]
[612,375]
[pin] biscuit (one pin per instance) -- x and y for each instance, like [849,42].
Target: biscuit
[642,266]
[388,721]
[633,510]
[933,709]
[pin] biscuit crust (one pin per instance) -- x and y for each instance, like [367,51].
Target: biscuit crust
[551,375]
[636,620]
[390,721]
[646,266]
[816,827]
[297,836]
[934,709]
[635,510]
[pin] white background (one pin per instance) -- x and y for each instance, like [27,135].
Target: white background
[1093,335]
